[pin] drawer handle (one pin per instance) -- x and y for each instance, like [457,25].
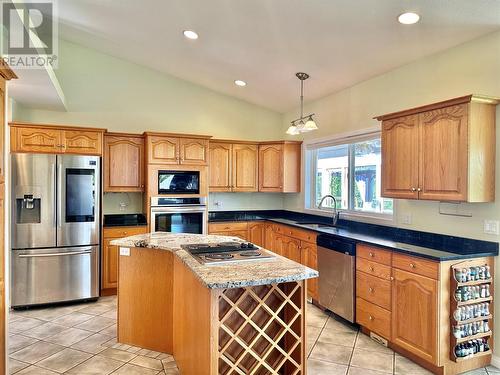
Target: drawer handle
[370,317]
[371,254]
[370,290]
[412,265]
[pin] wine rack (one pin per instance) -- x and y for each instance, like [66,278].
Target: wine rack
[471,310]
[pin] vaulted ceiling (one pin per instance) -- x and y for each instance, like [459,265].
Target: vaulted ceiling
[265,42]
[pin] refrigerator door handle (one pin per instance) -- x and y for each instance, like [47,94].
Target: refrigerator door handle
[54,178]
[55,254]
[59,193]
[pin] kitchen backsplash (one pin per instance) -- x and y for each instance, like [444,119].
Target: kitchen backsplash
[122,203]
[245,201]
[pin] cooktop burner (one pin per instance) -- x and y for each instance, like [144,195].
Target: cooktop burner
[219,256]
[226,252]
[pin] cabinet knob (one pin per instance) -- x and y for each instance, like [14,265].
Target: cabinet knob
[412,265]
[392,278]
[124,233]
[371,269]
[413,189]
[419,189]
[370,317]
[371,254]
[370,290]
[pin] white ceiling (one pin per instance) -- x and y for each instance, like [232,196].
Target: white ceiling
[265,42]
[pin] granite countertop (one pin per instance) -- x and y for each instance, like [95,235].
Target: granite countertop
[423,244]
[227,275]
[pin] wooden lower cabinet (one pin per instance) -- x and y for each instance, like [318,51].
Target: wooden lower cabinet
[235,229]
[110,255]
[309,253]
[256,233]
[414,311]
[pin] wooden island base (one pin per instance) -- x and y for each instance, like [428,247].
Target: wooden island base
[163,306]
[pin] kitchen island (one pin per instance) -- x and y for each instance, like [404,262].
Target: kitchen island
[236,317]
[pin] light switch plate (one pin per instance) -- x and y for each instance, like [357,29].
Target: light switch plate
[406,219]
[492,227]
[124,251]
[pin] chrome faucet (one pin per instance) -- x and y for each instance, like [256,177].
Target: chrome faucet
[336,214]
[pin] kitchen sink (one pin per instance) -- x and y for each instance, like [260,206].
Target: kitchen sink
[316,225]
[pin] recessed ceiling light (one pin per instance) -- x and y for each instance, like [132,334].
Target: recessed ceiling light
[239,82]
[408,18]
[190,34]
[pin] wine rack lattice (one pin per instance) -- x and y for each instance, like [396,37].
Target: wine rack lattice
[261,330]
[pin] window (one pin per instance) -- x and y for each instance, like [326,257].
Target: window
[351,173]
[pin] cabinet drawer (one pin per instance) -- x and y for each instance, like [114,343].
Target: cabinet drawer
[373,268]
[375,254]
[299,234]
[416,265]
[243,234]
[230,226]
[118,232]
[373,317]
[373,289]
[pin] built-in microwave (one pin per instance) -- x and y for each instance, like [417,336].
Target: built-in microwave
[178,182]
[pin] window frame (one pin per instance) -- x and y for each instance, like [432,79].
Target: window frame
[310,161]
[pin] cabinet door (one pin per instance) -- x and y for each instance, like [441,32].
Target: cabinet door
[193,151]
[242,234]
[109,265]
[44,140]
[279,244]
[256,233]
[444,154]
[2,130]
[220,167]
[269,237]
[292,249]
[400,157]
[82,142]
[309,253]
[123,164]
[271,168]
[2,280]
[163,150]
[414,314]
[245,167]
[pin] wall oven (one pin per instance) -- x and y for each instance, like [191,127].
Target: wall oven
[178,182]
[179,215]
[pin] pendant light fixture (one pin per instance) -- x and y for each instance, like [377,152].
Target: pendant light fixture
[304,123]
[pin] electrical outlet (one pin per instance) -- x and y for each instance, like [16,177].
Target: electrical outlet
[217,203]
[123,205]
[406,219]
[492,227]
[125,251]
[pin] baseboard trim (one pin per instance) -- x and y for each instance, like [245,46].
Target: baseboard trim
[495,361]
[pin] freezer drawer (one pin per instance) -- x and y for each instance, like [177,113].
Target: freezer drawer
[54,275]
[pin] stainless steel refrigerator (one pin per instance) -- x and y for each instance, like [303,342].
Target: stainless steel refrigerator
[55,228]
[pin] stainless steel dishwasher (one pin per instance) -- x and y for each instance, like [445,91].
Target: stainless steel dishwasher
[337,277]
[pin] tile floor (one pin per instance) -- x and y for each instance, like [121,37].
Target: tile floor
[81,339]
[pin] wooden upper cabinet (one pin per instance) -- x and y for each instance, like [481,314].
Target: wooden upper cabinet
[220,166]
[193,151]
[443,154]
[279,167]
[45,140]
[123,163]
[271,168]
[234,166]
[443,151]
[400,164]
[245,167]
[163,150]
[55,139]
[171,149]
[414,314]
[82,142]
